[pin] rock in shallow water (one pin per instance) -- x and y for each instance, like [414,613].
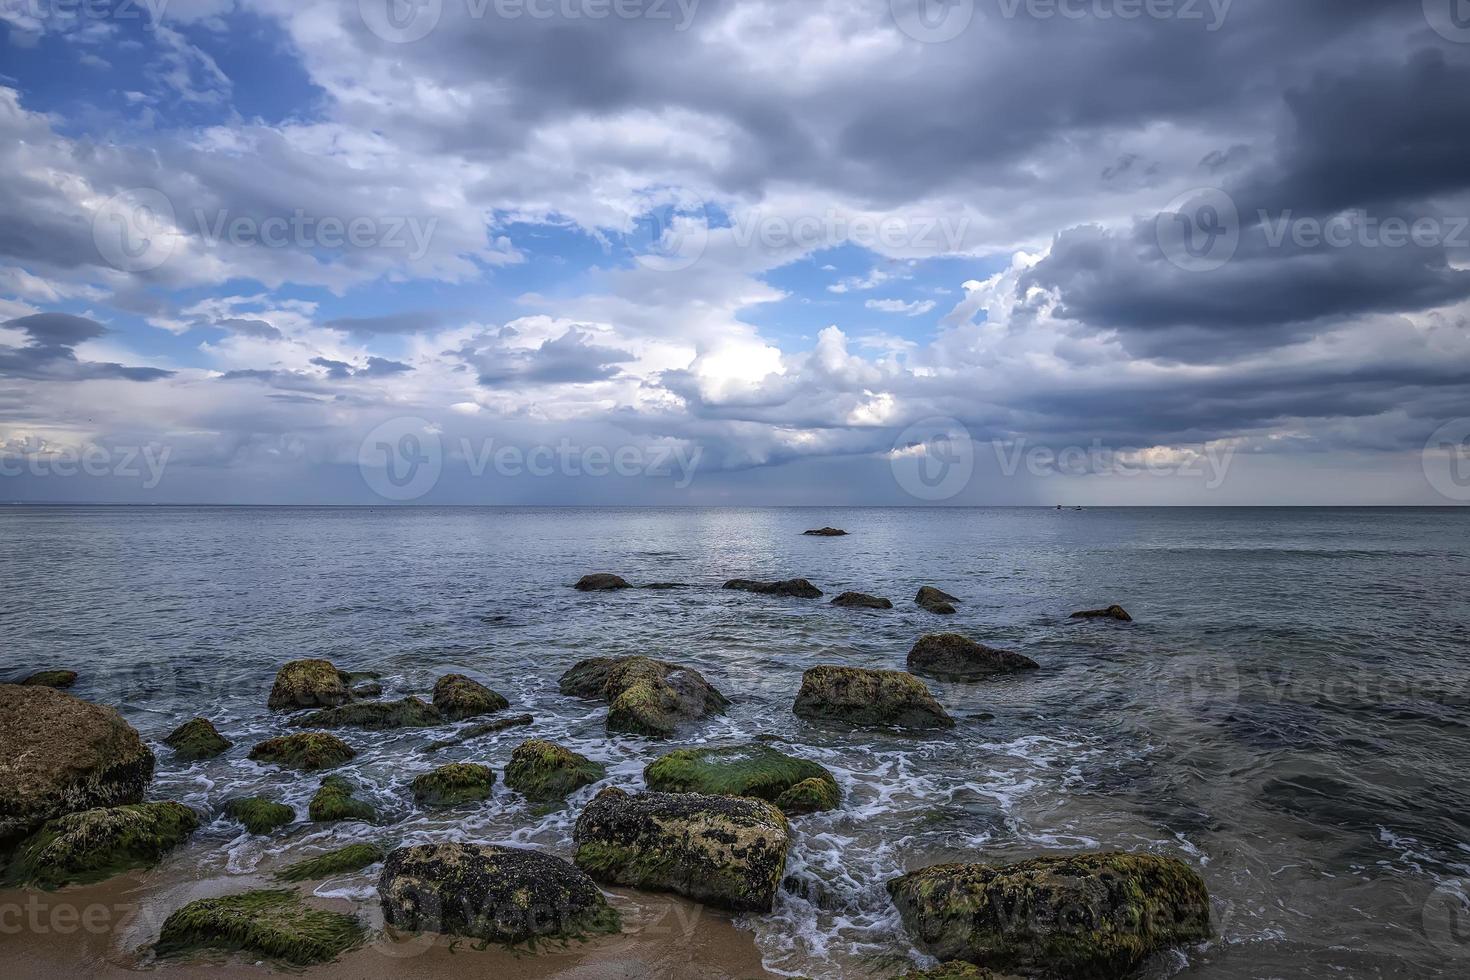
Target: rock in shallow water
[51,678]
[197,739]
[374,716]
[796,588]
[954,657]
[863,698]
[861,600]
[334,801]
[757,771]
[485,891]
[1088,916]
[59,754]
[1112,612]
[275,924]
[546,772]
[645,697]
[935,601]
[826,532]
[95,844]
[353,857]
[454,784]
[309,684]
[309,751]
[259,815]
[457,697]
[601,583]
[728,852]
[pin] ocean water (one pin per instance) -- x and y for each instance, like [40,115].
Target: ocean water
[1290,712]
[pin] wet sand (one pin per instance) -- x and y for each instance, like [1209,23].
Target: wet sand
[105,930]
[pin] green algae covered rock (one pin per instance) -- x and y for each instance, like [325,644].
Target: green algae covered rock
[1088,916]
[259,815]
[725,851]
[744,770]
[51,678]
[95,844]
[935,601]
[957,970]
[197,739]
[499,894]
[334,801]
[353,857]
[645,696]
[375,716]
[309,751]
[60,754]
[814,795]
[951,656]
[309,684]
[275,924]
[457,697]
[546,772]
[863,698]
[454,784]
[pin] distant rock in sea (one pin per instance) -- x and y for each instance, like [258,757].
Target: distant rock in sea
[935,601]
[827,532]
[796,588]
[1112,612]
[601,583]
[861,600]
[950,656]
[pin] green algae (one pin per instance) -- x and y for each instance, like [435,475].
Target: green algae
[309,751]
[334,801]
[454,784]
[275,924]
[92,845]
[259,815]
[196,739]
[353,857]
[545,772]
[743,770]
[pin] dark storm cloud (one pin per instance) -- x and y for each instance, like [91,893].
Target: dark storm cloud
[50,355]
[571,358]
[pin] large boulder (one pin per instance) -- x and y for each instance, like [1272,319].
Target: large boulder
[454,784]
[274,924]
[309,684]
[644,696]
[196,739]
[935,601]
[374,716]
[546,772]
[95,844]
[59,754]
[728,852]
[601,583]
[1088,916]
[951,656]
[853,696]
[1112,612]
[457,697]
[861,600]
[755,770]
[489,892]
[796,588]
[304,750]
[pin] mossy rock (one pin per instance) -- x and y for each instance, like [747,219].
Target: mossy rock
[309,684]
[742,770]
[729,852]
[95,844]
[197,739]
[545,772]
[275,924]
[334,801]
[375,716]
[868,698]
[1088,916]
[935,601]
[951,656]
[309,751]
[457,697]
[454,784]
[1112,612]
[815,795]
[353,857]
[498,894]
[601,583]
[259,815]
[645,696]
[60,754]
[796,588]
[957,970]
[51,678]
[861,600]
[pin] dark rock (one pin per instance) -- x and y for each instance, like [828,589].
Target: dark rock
[665,586]
[935,601]
[954,657]
[827,532]
[59,754]
[458,697]
[755,770]
[475,731]
[645,697]
[454,784]
[353,857]
[797,588]
[489,892]
[259,815]
[334,801]
[197,739]
[309,684]
[367,689]
[274,924]
[92,845]
[861,600]
[546,772]
[374,716]
[852,696]
[728,852]
[51,678]
[601,583]
[305,750]
[1112,612]
[1083,915]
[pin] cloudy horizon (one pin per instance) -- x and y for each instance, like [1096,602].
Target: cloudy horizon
[1077,252]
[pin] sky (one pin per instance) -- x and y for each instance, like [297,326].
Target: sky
[735,252]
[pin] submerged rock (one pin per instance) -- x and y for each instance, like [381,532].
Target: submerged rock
[827,532]
[374,716]
[853,696]
[51,678]
[367,689]
[95,844]
[309,684]
[259,815]
[457,697]
[1083,915]
[935,601]
[861,600]
[546,772]
[275,924]
[353,857]
[665,586]
[728,852]
[796,588]
[601,583]
[1112,612]
[59,754]
[197,739]
[485,891]
[305,750]
[334,801]
[955,657]
[645,697]
[475,731]
[454,784]
[756,770]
